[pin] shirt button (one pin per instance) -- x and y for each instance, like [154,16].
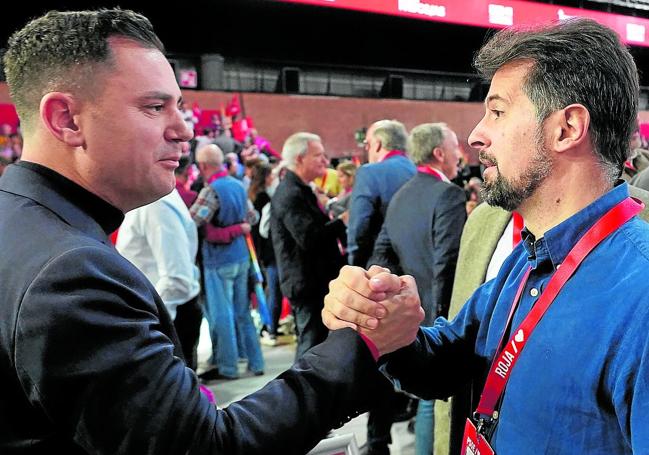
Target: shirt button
[534,292]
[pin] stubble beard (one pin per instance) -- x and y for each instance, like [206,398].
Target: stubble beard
[510,194]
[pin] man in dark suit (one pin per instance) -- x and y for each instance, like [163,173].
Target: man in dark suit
[421,234]
[304,238]
[423,224]
[89,359]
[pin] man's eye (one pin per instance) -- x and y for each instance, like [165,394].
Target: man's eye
[496,113]
[156,107]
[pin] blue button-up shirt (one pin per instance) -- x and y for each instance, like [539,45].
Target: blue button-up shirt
[581,386]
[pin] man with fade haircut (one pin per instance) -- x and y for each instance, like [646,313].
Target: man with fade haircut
[89,358]
[558,338]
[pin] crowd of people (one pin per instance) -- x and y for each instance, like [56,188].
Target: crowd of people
[379,263]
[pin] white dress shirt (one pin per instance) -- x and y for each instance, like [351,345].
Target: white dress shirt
[161,240]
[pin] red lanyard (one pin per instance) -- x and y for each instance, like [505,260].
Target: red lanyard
[218,175]
[504,362]
[392,153]
[430,171]
[518,227]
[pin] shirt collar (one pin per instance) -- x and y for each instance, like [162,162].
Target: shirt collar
[428,169]
[217,175]
[558,241]
[292,176]
[48,187]
[392,154]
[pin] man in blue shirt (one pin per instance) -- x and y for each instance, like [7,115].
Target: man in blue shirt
[226,267]
[558,118]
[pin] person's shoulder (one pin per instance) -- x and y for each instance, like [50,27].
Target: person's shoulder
[450,193]
[370,173]
[231,183]
[285,191]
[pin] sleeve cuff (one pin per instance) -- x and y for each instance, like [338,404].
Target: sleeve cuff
[371,346]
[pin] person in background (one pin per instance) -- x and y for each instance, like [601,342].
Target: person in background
[226,267]
[304,238]
[262,187]
[182,181]
[375,184]
[328,183]
[346,171]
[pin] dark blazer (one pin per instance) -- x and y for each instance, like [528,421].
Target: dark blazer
[305,241]
[421,237]
[89,361]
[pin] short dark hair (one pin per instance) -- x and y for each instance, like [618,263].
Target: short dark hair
[58,51]
[575,61]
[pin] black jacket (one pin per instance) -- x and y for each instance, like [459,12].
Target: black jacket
[89,361]
[305,241]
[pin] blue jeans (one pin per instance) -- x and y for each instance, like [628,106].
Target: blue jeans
[226,288]
[424,427]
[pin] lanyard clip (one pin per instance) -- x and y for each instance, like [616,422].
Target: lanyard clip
[485,424]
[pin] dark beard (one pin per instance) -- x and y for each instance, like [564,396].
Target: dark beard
[509,194]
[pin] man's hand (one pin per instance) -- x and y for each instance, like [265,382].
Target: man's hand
[351,302]
[399,327]
[245,228]
[382,306]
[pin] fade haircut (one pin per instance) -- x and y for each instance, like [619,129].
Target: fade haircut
[392,134]
[61,51]
[297,145]
[575,61]
[424,139]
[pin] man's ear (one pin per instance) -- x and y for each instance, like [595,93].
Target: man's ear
[299,159]
[438,154]
[570,127]
[58,113]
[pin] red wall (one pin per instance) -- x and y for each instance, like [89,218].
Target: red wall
[336,119]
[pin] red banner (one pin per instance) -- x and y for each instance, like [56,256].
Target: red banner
[492,13]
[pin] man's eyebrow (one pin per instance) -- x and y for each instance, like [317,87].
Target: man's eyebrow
[162,96]
[491,98]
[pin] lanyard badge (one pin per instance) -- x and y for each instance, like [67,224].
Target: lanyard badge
[475,437]
[474,442]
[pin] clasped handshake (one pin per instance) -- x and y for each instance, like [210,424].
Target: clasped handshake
[380,305]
